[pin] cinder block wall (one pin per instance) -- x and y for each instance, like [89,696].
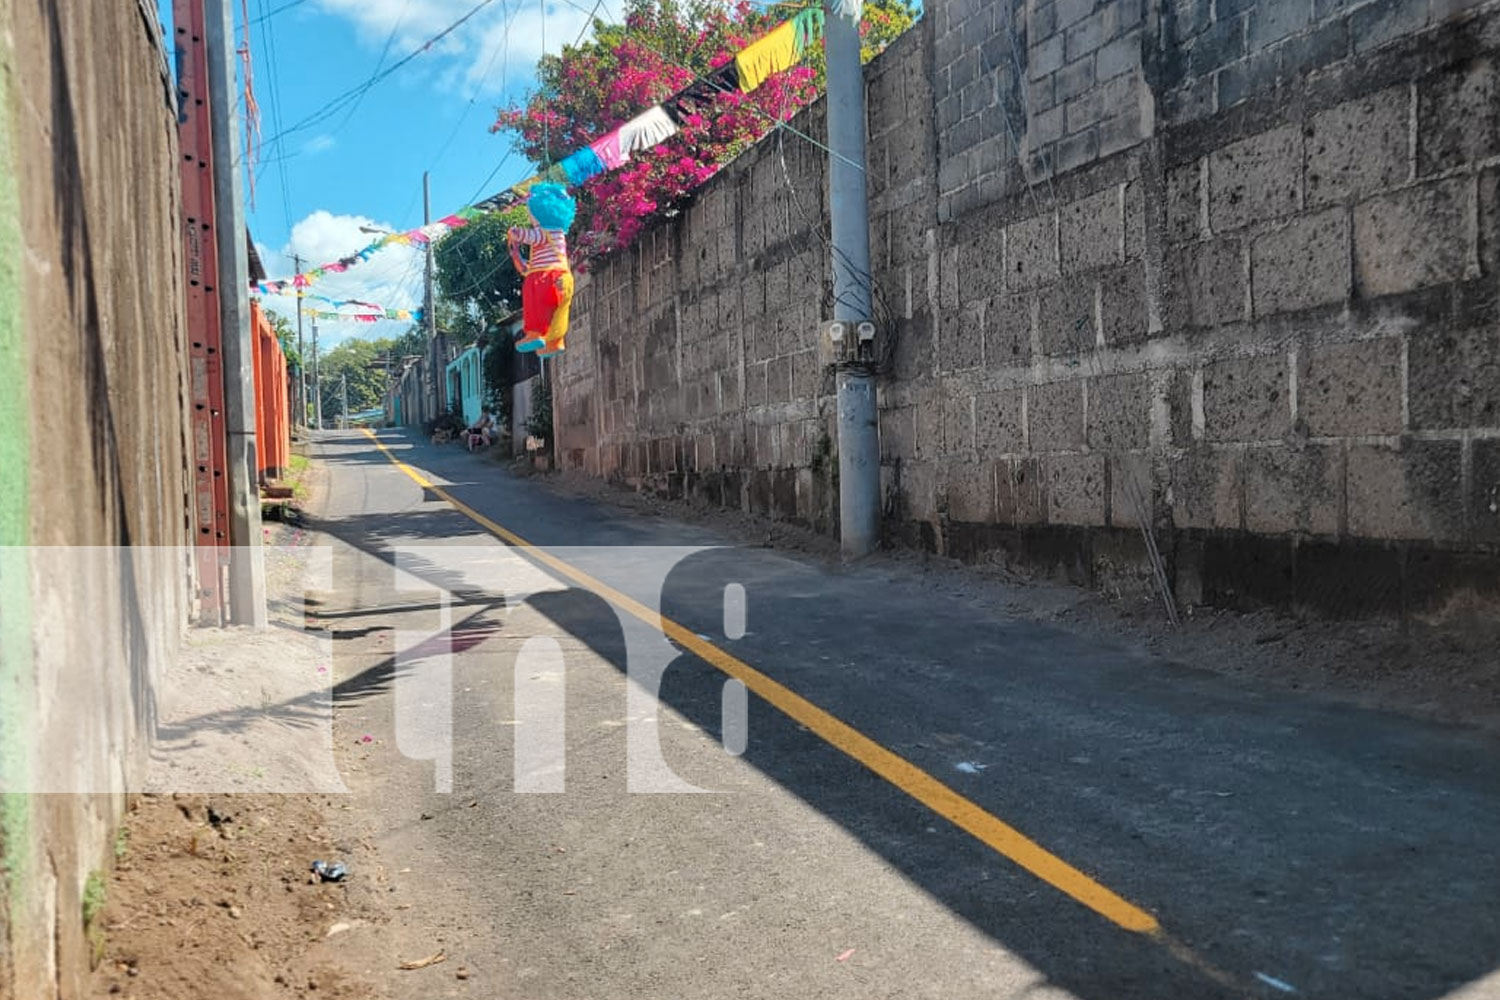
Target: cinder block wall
[1224,269]
[92,456]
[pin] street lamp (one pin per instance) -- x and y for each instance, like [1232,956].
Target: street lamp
[374,231]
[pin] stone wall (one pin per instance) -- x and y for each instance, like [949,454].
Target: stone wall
[1224,270]
[94,576]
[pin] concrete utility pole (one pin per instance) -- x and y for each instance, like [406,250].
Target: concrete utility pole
[429,317]
[247,571]
[859,435]
[317,382]
[344,400]
[301,352]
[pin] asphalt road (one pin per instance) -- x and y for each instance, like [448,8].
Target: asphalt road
[932,800]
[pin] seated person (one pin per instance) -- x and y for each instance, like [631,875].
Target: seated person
[479,435]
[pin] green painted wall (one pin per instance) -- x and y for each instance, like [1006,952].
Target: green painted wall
[16,697]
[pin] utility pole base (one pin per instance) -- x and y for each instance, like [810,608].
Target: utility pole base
[859,463]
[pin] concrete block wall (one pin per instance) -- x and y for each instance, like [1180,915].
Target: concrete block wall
[1027,89]
[692,365]
[1264,327]
[1220,53]
[94,571]
[1331,254]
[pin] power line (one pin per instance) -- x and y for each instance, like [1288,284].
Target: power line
[486,182]
[588,24]
[476,284]
[272,13]
[502,49]
[547,121]
[379,63]
[334,105]
[268,33]
[716,84]
[503,52]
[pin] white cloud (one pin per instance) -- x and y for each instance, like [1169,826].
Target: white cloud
[320,144]
[391,278]
[498,46]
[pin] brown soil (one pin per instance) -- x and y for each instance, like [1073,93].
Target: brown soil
[212,894]
[1444,671]
[213,898]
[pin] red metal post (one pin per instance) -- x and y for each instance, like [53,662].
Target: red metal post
[270,396]
[259,361]
[210,463]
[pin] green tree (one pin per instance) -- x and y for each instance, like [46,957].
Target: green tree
[461,322]
[287,337]
[474,270]
[411,343]
[360,361]
[881,23]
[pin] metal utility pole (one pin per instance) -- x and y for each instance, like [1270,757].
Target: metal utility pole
[429,316]
[317,381]
[301,351]
[859,434]
[247,571]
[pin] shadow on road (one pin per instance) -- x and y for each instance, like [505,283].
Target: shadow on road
[1288,842]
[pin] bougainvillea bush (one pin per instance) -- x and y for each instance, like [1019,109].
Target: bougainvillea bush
[662,46]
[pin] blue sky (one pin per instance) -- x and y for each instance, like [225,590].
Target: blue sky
[316,186]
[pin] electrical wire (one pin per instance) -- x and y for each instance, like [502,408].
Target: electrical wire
[379,64]
[270,14]
[251,106]
[336,104]
[484,184]
[477,284]
[483,79]
[588,24]
[547,121]
[268,35]
[885,316]
[504,53]
[332,106]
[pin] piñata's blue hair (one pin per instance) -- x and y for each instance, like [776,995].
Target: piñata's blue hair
[551,206]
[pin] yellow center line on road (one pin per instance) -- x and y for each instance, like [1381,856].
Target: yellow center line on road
[915,782]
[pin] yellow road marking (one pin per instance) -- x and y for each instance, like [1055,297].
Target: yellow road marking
[897,770]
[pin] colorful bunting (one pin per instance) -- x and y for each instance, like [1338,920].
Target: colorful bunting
[778,50]
[645,130]
[608,151]
[767,55]
[419,236]
[412,315]
[809,24]
[582,165]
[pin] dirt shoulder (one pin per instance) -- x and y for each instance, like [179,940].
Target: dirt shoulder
[212,893]
[1447,672]
[211,897]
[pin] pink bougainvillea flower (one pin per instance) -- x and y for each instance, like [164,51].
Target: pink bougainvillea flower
[596,86]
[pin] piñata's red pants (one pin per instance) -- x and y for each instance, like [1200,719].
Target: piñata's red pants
[546,298]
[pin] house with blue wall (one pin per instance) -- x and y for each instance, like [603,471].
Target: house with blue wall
[466,383]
